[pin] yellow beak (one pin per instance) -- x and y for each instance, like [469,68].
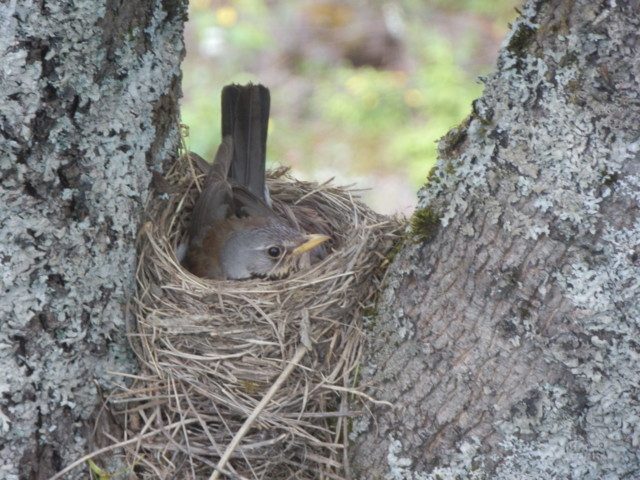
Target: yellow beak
[312,241]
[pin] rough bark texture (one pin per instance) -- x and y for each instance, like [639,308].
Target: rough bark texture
[88,107]
[508,334]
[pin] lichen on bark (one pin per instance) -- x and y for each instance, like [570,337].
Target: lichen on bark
[81,86]
[521,358]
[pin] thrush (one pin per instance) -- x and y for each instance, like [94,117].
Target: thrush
[234,232]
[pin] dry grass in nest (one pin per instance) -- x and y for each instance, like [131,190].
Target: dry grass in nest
[284,352]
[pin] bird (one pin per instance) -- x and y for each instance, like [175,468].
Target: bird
[234,234]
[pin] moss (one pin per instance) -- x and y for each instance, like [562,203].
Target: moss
[424,224]
[521,39]
[452,141]
[609,178]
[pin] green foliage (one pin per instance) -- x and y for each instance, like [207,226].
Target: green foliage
[359,119]
[403,115]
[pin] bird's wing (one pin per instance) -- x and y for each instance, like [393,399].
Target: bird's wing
[216,199]
[246,204]
[245,116]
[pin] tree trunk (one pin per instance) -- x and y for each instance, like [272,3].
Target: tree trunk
[88,107]
[508,333]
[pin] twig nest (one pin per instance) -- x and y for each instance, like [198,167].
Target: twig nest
[211,350]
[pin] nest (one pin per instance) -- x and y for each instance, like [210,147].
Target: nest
[251,379]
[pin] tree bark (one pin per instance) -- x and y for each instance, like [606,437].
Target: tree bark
[507,334]
[88,107]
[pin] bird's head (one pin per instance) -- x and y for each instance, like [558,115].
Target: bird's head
[268,251]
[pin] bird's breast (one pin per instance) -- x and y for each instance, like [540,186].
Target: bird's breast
[204,256]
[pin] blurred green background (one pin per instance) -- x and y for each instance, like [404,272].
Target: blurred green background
[360,90]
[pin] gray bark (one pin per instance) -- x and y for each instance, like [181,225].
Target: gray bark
[507,335]
[88,108]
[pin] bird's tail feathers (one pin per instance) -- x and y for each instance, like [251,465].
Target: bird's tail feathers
[245,117]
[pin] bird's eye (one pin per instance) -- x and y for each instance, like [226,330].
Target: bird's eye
[274,252]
